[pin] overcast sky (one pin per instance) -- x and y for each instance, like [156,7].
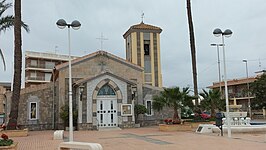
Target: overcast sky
[246,18]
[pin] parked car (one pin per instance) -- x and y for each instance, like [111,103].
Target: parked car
[205,115]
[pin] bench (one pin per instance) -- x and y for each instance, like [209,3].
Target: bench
[79,145]
[59,135]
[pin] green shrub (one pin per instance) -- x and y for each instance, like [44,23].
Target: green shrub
[139,109]
[64,115]
[5,141]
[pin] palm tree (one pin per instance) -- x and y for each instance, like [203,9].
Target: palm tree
[211,101]
[173,98]
[6,22]
[193,51]
[12,123]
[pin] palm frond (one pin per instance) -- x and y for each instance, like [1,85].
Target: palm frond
[8,21]
[3,58]
[25,26]
[158,103]
[4,7]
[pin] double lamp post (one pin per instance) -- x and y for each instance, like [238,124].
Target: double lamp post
[227,33]
[61,23]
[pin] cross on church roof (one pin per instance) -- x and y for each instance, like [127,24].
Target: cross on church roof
[102,39]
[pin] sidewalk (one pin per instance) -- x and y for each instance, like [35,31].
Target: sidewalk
[149,138]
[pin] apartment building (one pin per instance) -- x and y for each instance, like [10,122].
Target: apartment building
[237,90]
[39,66]
[5,87]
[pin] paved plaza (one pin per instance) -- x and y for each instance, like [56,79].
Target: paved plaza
[149,138]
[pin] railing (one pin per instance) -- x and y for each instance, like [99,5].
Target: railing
[41,66]
[36,78]
[240,95]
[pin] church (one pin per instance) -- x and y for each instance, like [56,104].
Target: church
[105,87]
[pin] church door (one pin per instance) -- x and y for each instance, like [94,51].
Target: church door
[107,112]
[106,107]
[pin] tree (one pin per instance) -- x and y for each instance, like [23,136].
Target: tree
[211,101]
[64,115]
[258,88]
[193,51]
[12,123]
[6,22]
[139,109]
[174,99]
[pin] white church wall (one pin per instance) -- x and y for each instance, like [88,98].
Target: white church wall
[91,85]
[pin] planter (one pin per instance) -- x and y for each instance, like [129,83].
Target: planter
[194,125]
[16,133]
[67,128]
[174,127]
[11,147]
[137,125]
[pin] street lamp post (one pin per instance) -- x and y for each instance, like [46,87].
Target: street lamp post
[219,66]
[227,33]
[61,23]
[249,104]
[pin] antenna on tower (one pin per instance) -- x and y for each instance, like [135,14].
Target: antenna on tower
[55,49]
[142,17]
[259,63]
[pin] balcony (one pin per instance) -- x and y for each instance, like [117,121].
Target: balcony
[40,67]
[240,95]
[36,80]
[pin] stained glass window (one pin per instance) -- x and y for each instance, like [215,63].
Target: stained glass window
[106,90]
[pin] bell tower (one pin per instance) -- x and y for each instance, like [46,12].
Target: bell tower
[143,48]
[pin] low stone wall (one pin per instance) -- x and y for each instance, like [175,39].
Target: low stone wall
[36,127]
[86,126]
[186,126]
[175,127]
[15,133]
[194,125]
[11,147]
[127,125]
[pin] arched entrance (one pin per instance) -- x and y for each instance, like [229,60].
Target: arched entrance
[107,107]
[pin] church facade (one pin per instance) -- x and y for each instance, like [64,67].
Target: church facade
[105,87]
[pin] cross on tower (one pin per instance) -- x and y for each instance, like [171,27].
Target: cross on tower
[102,39]
[142,17]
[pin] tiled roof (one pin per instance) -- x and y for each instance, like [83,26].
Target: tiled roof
[234,82]
[142,26]
[89,56]
[145,27]
[102,74]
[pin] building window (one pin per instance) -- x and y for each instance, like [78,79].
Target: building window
[47,76]
[33,111]
[33,75]
[149,108]
[33,63]
[49,65]
[146,47]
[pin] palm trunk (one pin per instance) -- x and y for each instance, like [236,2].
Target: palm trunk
[193,51]
[175,117]
[17,67]
[212,110]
